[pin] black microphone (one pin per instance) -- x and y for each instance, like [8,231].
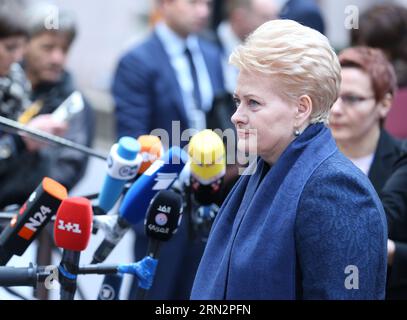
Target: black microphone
[161,223]
[33,216]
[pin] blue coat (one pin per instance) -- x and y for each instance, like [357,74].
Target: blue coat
[146,92]
[311,227]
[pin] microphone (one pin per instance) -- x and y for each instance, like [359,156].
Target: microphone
[151,149]
[162,220]
[123,164]
[159,176]
[161,223]
[33,216]
[72,230]
[208,167]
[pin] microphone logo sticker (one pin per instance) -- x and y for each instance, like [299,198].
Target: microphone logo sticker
[35,222]
[70,227]
[161,219]
[164,180]
[32,197]
[109,162]
[107,292]
[164,209]
[156,229]
[128,171]
[154,167]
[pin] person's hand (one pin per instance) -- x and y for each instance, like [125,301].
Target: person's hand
[47,124]
[391,249]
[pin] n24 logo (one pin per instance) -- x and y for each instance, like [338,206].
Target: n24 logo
[34,222]
[38,218]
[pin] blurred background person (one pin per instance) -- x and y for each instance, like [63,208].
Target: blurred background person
[306,12]
[44,64]
[394,199]
[357,117]
[173,72]
[14,87]
[384,27]
[173,75]
[242,18]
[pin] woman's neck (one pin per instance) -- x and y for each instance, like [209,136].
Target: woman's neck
[362,147]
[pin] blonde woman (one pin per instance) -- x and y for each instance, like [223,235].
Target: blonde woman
[307,224]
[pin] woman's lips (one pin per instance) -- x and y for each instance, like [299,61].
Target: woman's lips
[243,134]
[335,126]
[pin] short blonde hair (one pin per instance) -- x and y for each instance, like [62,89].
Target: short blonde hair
[301,58]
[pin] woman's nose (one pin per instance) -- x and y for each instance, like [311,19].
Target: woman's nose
[337,107]
[239,117]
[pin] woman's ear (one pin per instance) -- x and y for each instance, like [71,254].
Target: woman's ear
[385,105]
[304,110]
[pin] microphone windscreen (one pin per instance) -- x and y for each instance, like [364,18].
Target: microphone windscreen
[73,224]
[151,149]
[122,165]
[208,157]
[163,215]
[33,216]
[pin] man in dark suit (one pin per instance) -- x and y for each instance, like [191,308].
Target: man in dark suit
[154,86]
[171,77]
[394,199]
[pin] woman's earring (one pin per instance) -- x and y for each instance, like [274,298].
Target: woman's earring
[297,132]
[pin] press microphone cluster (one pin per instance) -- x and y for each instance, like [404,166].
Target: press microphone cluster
[159,176]
[151,198]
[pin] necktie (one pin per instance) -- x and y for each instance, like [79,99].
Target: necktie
[194,75]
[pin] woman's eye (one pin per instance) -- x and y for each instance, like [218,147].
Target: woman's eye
[236,102]
[253,103]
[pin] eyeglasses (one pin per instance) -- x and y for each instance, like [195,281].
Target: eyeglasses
[352,100]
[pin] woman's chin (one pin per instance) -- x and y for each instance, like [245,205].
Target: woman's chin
[244,146]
